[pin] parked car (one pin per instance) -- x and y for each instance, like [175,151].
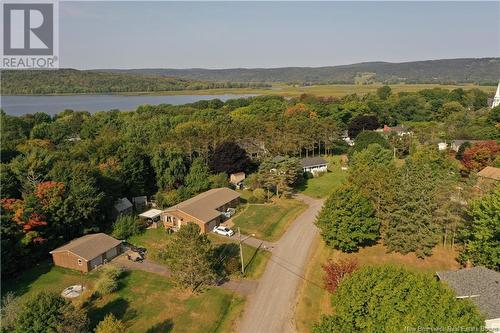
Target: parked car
[230,212]
[224,231]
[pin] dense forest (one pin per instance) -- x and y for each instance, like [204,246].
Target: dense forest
[71,81]
[62,174]
[481,71]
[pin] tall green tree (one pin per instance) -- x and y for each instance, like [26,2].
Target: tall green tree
[198,178]
[481,235]
[189,256]
[347,220]
[169,166]
[280,173]
[391,299]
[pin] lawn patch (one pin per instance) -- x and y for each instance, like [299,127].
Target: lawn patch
[269,221]
[323,186]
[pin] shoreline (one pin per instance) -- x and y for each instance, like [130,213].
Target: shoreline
[280,89]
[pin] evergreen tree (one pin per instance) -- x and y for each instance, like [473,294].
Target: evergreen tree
[347,220]
[189,256]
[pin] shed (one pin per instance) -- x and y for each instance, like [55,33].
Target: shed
[237,179]
[123,206]
[87,252]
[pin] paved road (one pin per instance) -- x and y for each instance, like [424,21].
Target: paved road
[270,309]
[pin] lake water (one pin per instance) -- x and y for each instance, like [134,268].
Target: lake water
[20,105]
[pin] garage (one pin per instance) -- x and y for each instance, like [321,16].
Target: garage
[95,262]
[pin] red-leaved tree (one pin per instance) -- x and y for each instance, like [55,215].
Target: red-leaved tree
[480,155]
[335,271]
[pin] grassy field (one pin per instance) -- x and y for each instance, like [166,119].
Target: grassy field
[335,90]
[269,221]
[145,302]
[323,186]
[313,301]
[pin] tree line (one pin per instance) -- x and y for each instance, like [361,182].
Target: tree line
[72,81]
[61,175]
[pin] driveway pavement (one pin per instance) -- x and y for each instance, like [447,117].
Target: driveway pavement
[270,308]
[146,265]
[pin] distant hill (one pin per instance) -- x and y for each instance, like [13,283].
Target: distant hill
[72,81]
[470,70]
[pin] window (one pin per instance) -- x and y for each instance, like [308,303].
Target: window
[80,262]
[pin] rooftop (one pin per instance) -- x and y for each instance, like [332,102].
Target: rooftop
[89,246]
[151,214]
[490,172]
[204,205]
[480,284]
[122,204]
[312,161]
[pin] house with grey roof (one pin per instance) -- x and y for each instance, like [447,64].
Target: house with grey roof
[482,286]
[314,165]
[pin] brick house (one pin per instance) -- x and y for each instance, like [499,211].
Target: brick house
[87,252]
[205,209]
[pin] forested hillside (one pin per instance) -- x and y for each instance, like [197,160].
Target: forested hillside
[481,71]
[73,81]
[61,175]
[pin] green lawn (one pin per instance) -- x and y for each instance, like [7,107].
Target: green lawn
[145,302]
[154,240]
[323,186]
[255,259]
[269,221]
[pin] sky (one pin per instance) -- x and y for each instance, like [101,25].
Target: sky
[272,34]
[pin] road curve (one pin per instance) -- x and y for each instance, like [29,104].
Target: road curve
[270,308]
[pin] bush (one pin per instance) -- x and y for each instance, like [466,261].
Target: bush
[260,195]
[336,271]
[109,281]
[9,310]
[126,226]
[110,325]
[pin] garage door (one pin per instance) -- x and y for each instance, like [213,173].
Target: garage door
[111,253]
[95,262]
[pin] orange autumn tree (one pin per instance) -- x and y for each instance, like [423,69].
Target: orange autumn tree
[300,109]
[480,155]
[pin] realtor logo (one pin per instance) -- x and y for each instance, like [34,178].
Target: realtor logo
[29,34]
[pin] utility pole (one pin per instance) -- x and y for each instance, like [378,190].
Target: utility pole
[241,249]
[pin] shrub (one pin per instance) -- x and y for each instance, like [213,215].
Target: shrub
[9,310]
[43,312]
[126,226]
[336,271]
[109,281]
[110,325]
[259,194]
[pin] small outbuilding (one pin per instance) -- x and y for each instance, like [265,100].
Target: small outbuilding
[482,286]
[87,252]
[237,179]
[314,165]
[123,206]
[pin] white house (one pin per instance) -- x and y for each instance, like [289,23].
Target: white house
[314,165]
